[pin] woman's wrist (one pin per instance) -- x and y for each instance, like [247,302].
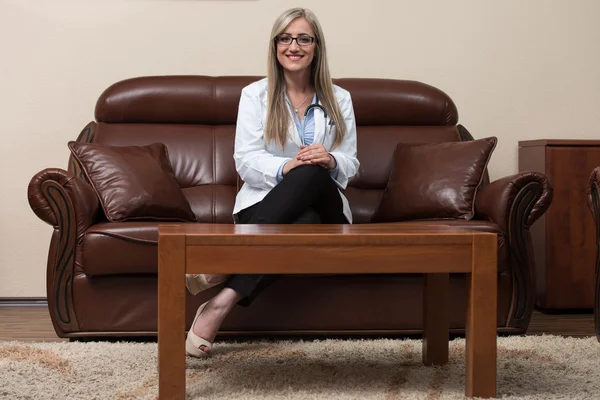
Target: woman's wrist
[332,162]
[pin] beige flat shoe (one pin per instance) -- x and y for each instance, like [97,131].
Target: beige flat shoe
[196,283]
[193,342]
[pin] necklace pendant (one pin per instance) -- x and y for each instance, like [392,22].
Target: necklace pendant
[296,110]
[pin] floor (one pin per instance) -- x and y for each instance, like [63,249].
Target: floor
[32,323]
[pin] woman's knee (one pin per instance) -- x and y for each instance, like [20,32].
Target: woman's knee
[309,172]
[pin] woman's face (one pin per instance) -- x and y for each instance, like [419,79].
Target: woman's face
[296,57]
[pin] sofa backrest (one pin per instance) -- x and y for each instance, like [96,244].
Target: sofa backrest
[195,116]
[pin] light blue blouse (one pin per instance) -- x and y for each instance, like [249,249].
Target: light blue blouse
[307,135]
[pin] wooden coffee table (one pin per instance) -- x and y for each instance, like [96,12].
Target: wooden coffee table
[434,250]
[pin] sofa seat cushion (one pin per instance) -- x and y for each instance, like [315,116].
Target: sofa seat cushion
[122,248]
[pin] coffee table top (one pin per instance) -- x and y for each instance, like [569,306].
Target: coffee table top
[224,234]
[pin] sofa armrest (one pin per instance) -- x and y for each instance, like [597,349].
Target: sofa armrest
[515,201]
[593,200]
[68,203]
[55,196]
[593,193]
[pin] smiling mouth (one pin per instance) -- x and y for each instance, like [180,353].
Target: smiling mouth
[294,57]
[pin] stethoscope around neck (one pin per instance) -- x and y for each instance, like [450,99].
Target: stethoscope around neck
[327,125]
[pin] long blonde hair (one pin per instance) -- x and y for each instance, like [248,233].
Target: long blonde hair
[277,112]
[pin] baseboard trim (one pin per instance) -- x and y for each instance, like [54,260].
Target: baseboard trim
[23,301]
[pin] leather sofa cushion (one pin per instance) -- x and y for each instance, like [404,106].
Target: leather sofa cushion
[122,248]
[133,182]
[434,180]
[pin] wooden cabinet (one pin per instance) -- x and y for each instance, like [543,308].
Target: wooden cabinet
[564,238]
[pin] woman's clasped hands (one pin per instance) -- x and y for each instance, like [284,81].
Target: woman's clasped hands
[315,154]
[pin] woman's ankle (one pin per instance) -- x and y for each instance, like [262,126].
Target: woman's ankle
[225,300]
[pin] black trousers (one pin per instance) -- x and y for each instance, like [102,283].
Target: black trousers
[306,195]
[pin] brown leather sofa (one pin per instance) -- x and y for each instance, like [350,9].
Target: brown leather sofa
[102,276]
[594,203]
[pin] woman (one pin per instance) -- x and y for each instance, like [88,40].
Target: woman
[291,157]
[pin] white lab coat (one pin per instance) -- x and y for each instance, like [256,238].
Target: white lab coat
[258,163]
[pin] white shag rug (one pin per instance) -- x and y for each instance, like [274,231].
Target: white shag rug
[534,367]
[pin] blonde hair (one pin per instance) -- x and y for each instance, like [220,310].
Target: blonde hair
[277,112]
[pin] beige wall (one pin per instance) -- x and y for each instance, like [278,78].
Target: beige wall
[517,69]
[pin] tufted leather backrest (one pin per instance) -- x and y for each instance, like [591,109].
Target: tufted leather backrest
[194,116]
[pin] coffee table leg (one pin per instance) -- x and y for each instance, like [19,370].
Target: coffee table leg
[480,377]
[171,317]
[436,329]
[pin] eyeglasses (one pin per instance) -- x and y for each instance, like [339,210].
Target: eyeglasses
[302,40]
